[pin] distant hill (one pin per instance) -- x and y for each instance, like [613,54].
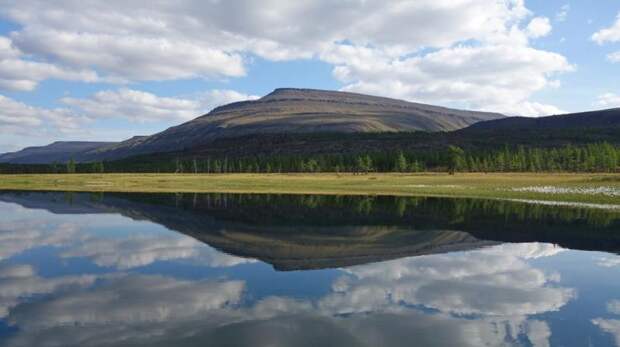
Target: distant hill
[585,120]
[56,152]
[298,111]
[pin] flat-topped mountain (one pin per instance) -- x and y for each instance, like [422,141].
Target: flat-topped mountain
[294,122]
[60,151]
[290,110]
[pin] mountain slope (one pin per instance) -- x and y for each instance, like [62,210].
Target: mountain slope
[585,120]
[577,129]
[56,152]
[298,111]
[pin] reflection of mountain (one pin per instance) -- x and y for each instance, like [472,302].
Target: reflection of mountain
[306,232]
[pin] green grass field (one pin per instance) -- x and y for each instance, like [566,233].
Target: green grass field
[580,188]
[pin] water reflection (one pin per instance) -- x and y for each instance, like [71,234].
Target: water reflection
[127,270]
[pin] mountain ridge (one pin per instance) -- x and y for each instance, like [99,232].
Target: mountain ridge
[58,151]
[289,117]
[292,110]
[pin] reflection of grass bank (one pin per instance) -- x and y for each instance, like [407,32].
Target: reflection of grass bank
[581,188]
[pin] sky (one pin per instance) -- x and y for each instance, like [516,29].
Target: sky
[108,70]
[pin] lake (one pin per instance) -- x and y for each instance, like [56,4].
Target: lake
[123,269]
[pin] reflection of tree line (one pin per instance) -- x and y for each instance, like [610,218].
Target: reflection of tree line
[422,212]
[301,231]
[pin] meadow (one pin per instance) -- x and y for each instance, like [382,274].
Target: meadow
[560,187]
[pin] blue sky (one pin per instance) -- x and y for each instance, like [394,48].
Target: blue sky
[89,70]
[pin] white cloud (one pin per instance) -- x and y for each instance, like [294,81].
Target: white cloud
[563,13]
[76,118]
[142,106]
[19,74]
[608,100]
[141,40]
[19,121]
[497,77]
[614,57]
[611,34]
[538,27]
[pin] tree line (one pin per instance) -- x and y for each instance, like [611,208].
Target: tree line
[597,157]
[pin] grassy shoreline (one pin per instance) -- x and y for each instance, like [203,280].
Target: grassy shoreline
[578,188]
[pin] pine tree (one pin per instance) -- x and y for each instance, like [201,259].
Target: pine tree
[456,159]
[71,166]
[401,163]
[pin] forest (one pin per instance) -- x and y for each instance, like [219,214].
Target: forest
[596,157]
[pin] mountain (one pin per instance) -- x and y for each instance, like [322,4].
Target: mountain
[305,122]
[56,152]
[579,129]
[585,120]
[288,110]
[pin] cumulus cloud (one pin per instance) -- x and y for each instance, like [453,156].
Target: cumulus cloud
[19,121]
[538,27]
[610,34]
[497,77]
[78,115]
[608,100]
[15,115]
[142,106]
[161,41]
[17,73]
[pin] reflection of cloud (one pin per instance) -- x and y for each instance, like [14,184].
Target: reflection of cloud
[299,327]
[126,307]
[608,261]
[526,250]
[24,229]
[364,308]
[130,299]
[21,235]
[614,307]
[611,326]
[18,282]
[494,281]
[144,249]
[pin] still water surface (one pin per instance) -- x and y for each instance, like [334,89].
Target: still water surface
[82,269]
